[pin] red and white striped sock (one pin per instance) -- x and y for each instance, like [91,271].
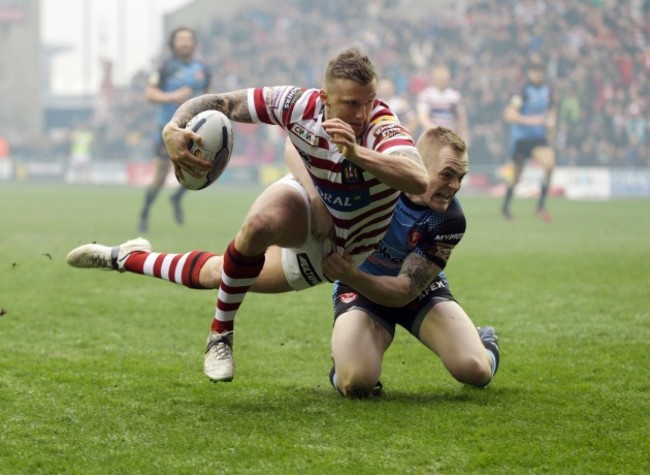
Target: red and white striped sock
[238,274]
[181,269]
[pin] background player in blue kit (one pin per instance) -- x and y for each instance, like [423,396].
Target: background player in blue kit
[178,79]
[402,283]
[532,116]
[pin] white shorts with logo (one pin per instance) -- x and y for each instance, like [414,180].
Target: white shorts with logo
[303,266]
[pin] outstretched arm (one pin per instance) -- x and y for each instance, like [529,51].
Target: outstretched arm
[177,139]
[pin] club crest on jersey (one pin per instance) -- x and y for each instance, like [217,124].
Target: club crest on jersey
[348,297]
[304,134]
[413,238]
[351,173]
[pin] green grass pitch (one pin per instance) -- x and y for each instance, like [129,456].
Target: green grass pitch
[102,372]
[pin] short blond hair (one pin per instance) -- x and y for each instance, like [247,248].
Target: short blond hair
[350,64]
[436,137]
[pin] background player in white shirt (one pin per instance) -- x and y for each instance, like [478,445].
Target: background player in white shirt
[441,105]
[398,104]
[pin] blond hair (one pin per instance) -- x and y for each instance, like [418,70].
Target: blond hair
[437,137]
[350,64]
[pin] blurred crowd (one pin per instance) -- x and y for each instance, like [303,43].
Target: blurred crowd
[597,55]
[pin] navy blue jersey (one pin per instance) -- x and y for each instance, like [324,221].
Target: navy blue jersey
[535,100]
[174,74]
[417,228]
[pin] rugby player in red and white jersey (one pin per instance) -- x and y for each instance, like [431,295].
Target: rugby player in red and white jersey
[440,105]
[354,150]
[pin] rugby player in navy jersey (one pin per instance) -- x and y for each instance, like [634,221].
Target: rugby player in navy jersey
[402,283]
[179,78]
[532,117]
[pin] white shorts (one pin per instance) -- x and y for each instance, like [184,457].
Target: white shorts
[303,266]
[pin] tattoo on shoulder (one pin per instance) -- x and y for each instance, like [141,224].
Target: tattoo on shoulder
[420,272]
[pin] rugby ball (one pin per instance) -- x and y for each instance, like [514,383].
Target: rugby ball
[216,134]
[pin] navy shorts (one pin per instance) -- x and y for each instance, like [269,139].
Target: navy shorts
[410,316]
[523,149]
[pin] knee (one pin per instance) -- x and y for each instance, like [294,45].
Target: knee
[471,370]
[258,230]
[356,386]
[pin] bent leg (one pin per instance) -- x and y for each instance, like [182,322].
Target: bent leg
[448,331]
[279,216]
[358,346]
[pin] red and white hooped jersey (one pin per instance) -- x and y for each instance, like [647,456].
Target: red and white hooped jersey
[361,205]
[440,105]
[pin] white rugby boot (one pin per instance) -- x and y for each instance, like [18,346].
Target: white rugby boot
[219,364]
[98,256]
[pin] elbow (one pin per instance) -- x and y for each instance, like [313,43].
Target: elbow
[419,184]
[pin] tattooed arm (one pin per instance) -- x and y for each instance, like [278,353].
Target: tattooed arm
[391,291]
[177,139]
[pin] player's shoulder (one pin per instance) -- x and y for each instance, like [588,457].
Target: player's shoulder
[455,210]
[452,219]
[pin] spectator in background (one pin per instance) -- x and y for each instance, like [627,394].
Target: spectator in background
[441,105]
[178,79]
[531,115]
[484,42]
[398,104]
[81,141]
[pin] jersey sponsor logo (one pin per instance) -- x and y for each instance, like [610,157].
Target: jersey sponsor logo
[348,297]
[413,238]
[307,270]
[391,129]
[441,251]
[449,237]
[304,134]
[289,99]
[345,201]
